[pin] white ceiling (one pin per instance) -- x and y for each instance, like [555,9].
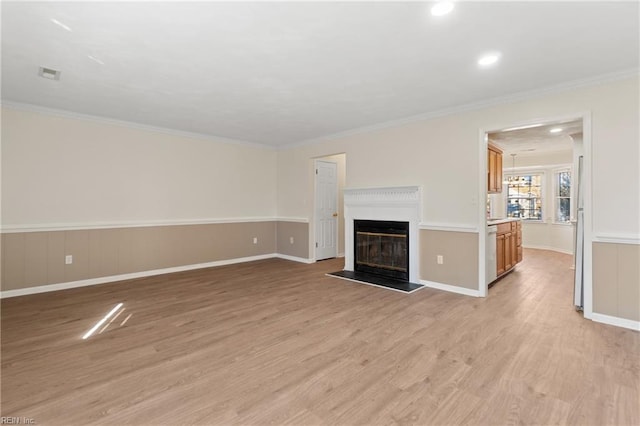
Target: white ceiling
[279,73]
[533,141]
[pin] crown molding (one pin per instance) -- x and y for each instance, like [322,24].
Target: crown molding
[507,99]
[127,124]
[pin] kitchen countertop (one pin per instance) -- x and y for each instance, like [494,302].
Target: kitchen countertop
[503,220]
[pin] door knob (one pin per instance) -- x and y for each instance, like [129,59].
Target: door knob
[335,215]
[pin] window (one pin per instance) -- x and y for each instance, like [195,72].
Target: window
[562,188]
[524,196]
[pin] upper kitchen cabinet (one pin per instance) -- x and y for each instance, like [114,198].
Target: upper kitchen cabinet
[494,169]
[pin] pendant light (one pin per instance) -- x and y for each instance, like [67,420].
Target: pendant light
[511,179]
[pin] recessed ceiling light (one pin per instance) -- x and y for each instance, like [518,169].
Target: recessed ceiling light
[442,8]
[488,59]
[555,130]
[61,25]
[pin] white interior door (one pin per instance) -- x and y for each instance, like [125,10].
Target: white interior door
[326,209]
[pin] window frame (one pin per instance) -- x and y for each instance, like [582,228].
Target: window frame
[556,195]
[543,185]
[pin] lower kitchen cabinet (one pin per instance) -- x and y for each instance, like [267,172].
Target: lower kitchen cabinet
[500,254]
[508,246]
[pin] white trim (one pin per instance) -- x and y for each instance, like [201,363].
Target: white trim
[294,258]
[7,229]
[556,192]
[617,321]
[483,190]
[587,179]
[375,285]
[19,106]
[340,255]
[516,97]
[292,219]
[448,227]
[451,288]
[134,275]
[383,194]
[569,252]
[617,239]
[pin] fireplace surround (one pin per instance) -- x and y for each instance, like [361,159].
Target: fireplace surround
[390,204]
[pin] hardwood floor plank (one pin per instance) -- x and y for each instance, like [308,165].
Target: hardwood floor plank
[278,342]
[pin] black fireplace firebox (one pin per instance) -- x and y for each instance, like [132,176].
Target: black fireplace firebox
[382,248]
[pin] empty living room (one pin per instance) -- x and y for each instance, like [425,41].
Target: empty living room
[320,213]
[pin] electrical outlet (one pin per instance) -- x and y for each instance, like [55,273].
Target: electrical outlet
[68,259]
[290,240]
[440,259]
[255,240]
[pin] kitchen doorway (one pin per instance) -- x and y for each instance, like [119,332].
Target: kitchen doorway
[539,187]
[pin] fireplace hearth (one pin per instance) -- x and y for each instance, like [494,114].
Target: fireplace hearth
[382,248]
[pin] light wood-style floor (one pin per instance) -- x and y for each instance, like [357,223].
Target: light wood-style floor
[276,342]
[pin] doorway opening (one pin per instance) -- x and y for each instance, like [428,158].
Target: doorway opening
[535,193]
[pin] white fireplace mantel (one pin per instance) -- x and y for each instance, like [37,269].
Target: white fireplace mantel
[401,204]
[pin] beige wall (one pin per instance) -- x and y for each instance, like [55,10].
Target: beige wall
[443,156]
[61,170]
[616,278]
[300,234]
[31,259]
[460,258]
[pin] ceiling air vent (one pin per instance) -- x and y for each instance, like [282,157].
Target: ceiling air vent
[49,73]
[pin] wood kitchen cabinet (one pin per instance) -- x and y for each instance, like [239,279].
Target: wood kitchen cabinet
[508,246]
[500,254]
[508,251]
[519,241]
[494,170]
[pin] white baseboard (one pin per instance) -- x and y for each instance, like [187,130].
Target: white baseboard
[451,288]
[548,248]
[618,322]
[121,277]
[294,258]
